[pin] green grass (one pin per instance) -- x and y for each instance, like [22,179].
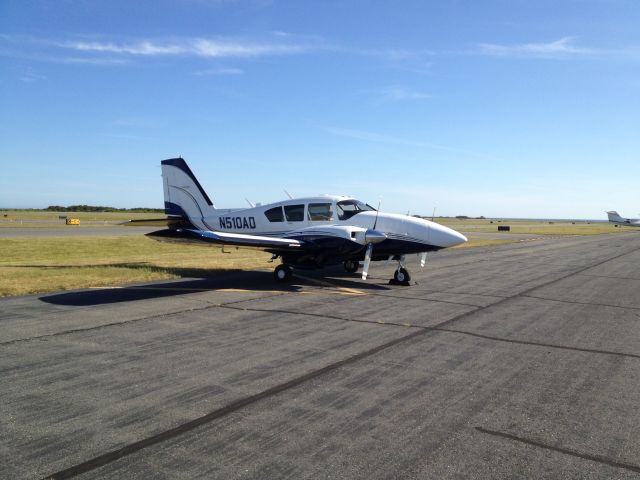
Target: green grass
[34,265]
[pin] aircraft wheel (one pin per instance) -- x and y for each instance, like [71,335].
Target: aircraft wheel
[282,273]
[351,266]
[402,276]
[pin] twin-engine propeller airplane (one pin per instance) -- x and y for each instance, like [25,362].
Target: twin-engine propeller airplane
[305,233]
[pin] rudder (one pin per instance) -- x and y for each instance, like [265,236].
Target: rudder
[183,194]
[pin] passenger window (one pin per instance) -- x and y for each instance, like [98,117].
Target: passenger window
[320,211]
[294,213]
[274,214]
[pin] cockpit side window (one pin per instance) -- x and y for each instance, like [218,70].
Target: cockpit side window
[349,208]
[274,214]
[318,212]
[294,213]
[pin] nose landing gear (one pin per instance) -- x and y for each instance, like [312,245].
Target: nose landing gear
[401,276]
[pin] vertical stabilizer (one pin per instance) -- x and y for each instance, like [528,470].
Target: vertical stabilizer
[614,217]
[183,194]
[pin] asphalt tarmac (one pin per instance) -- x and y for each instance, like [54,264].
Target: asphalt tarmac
[518,361]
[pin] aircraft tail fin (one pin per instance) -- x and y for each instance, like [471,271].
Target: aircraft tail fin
[614,217]
[183,194]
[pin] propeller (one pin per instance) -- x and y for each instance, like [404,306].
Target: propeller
[371,236]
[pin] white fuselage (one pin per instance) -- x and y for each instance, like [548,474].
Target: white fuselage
[287,217]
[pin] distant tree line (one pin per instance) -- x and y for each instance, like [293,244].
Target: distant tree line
[91,208]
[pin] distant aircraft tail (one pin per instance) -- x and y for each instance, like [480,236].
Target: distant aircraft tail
[183,194]
[614,217]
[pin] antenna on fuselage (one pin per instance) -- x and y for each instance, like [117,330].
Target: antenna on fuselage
[288,194]
[249,202]
[433,215]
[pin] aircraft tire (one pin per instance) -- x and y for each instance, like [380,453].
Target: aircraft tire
[282,273]
[351,266]
[402,276]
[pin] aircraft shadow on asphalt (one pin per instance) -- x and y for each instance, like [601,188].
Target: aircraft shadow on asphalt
[200,280]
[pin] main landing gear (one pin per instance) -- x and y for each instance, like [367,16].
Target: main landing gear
[282,273]
[351,266]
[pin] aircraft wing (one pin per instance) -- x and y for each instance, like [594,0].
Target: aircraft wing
[258,242]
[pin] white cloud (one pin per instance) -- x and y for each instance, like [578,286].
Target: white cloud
[202,47]
[561,48]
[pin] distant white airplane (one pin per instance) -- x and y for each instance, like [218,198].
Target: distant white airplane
[305,233]
[618,220]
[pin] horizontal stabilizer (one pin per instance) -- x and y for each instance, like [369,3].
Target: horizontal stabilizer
[172,222]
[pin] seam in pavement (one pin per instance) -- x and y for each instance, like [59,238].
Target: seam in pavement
[573,302]
[565,451]
[125,322]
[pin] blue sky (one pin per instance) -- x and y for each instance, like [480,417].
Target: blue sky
[498,108]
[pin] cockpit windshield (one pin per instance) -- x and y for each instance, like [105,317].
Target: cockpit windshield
[349,208]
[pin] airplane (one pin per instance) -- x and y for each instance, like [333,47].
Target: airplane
[618,220]
[305,233]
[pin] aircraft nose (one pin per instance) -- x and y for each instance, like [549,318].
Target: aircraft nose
[442,236]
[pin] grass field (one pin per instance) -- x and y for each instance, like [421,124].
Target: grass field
[10,219]
[32,265]
[42,264]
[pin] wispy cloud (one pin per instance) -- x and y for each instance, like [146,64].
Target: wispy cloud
[138,122]
[219,71]
[201,47]
[397,54]
[562,48]
[84,60]
[381,138]
[400,93]
[114,52]
[30,76]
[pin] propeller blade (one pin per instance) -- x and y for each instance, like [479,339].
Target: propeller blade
[377,212]
[367,261]
[423,258]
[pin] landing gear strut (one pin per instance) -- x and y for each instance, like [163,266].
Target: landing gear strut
[282,273]
[351,266]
